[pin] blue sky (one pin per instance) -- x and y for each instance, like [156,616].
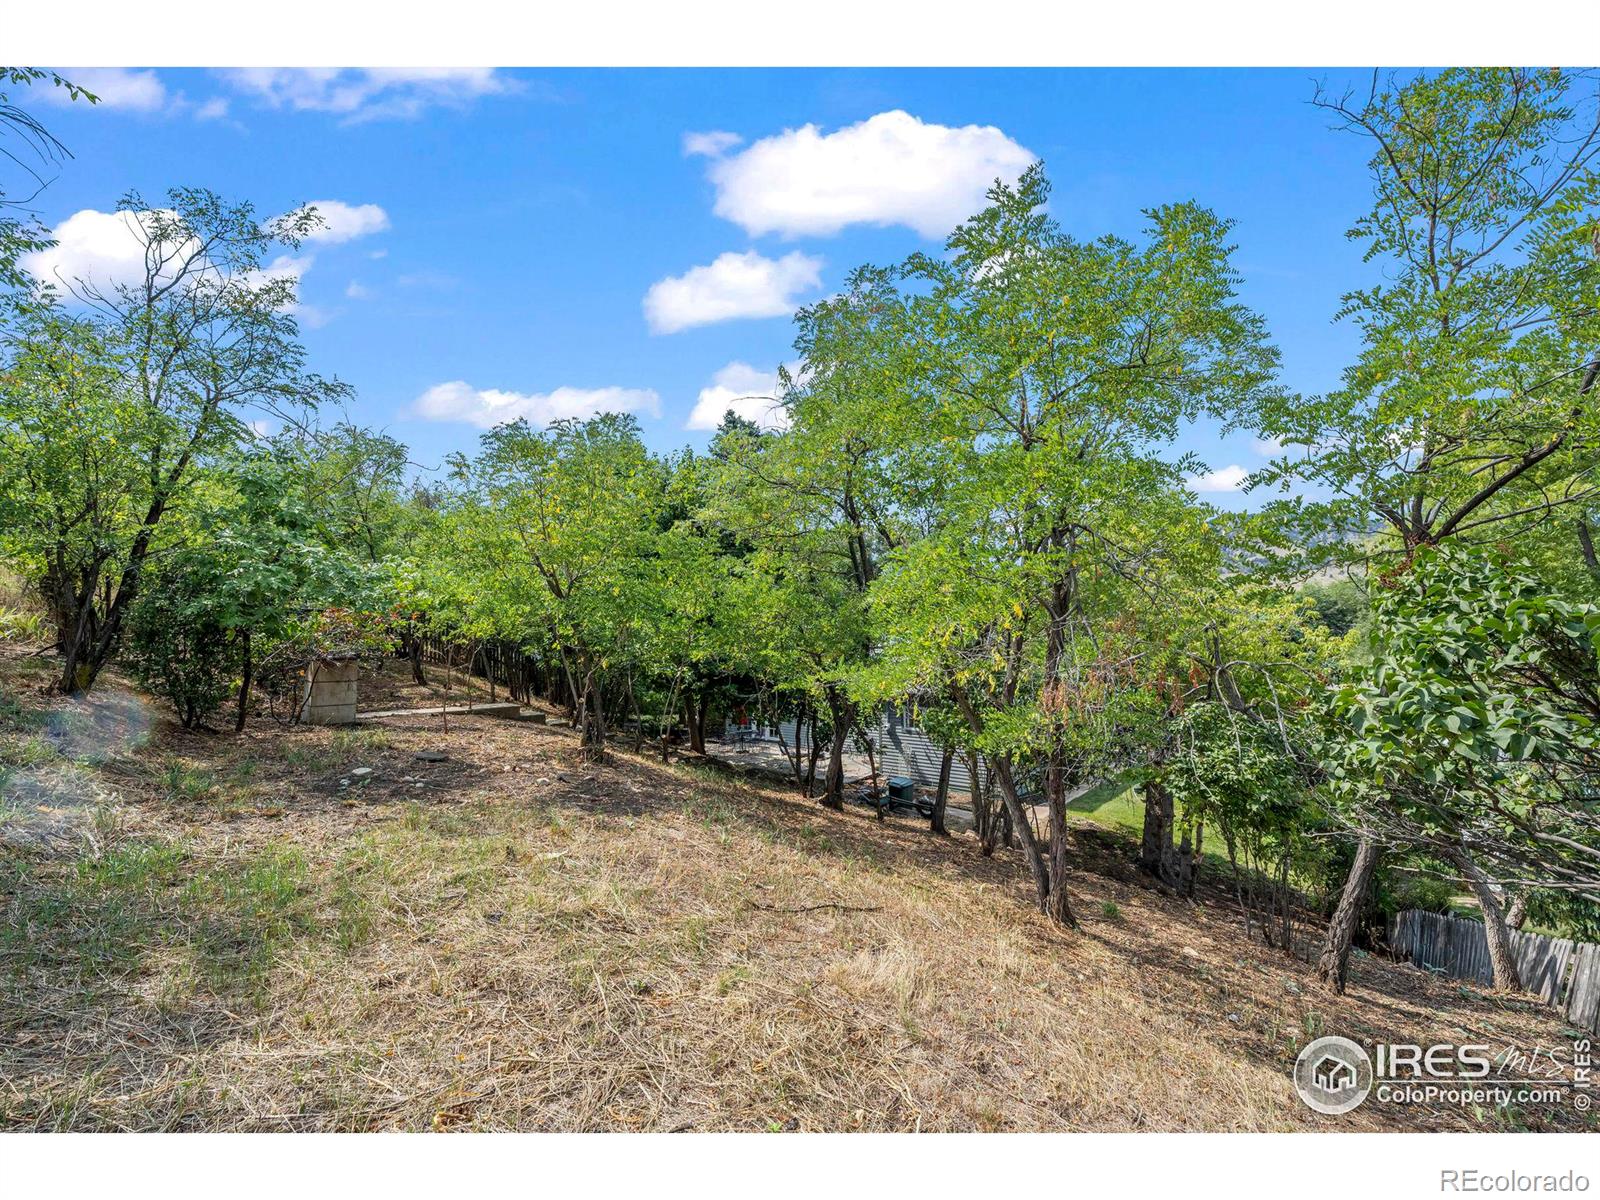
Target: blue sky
[526,216]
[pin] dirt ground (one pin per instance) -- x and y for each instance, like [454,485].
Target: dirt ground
[315,929]
[391,686]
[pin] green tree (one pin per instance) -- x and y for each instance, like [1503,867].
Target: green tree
[250,570]
[554,539]
[355,482]
[809,507]
[168,364]
[1243,777]
[1044,379]
[1474,735]
[1467,413]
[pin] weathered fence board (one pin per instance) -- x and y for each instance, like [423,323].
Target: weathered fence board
[1542,963]
[495,661]
[1562,973]
[1583,994]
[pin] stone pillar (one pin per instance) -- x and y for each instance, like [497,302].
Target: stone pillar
[331,692]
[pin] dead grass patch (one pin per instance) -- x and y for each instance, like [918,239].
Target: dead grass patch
[511,939]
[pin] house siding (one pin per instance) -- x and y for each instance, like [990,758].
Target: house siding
[904,749]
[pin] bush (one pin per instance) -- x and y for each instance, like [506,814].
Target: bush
[1340,606]
[1423,892]
[178,650]
[21,625]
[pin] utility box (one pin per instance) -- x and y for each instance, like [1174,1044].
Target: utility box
[330,696]
[902,788]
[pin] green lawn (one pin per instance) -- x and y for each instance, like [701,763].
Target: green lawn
[1114,804]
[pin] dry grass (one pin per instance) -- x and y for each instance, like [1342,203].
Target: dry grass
[391,686]
[247,936]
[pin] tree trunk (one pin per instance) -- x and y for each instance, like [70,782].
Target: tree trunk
[1502,959]
[1059,909]
[72,679]
[1062,598]
[1182,869]
[943,794]
[1517,913]
[1333,965]
[244,684]
[701,707]
[592,743]
[1155,847]
[1015,819]
[1286,898]
[1018,822]
[982,813]
[574,700]
[1586,544]
[635,715]
[880,796]
[61,601]
[833,776]
[106,636]
[694,716]
[813,753]
[666,721]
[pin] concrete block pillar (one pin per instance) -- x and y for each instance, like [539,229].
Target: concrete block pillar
[330,697]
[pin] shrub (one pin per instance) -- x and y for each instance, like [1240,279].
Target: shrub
[21,625]
[1424,892]
[178,649]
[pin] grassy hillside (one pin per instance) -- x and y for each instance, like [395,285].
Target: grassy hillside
[316,930]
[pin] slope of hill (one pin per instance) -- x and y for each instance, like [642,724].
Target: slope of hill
[315,929]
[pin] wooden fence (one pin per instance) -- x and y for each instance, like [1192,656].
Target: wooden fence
[497,662]
[1564,974]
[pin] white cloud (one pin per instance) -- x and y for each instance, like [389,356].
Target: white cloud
[356,290]
[133,90]
[734,286]
[103,249]
[1267,447]
[366,94]
[343,222]
[748,391]
[292,268]
[285,266]
[892,169]
[114,87]
[712,143]
[487,407]
[1225,479]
